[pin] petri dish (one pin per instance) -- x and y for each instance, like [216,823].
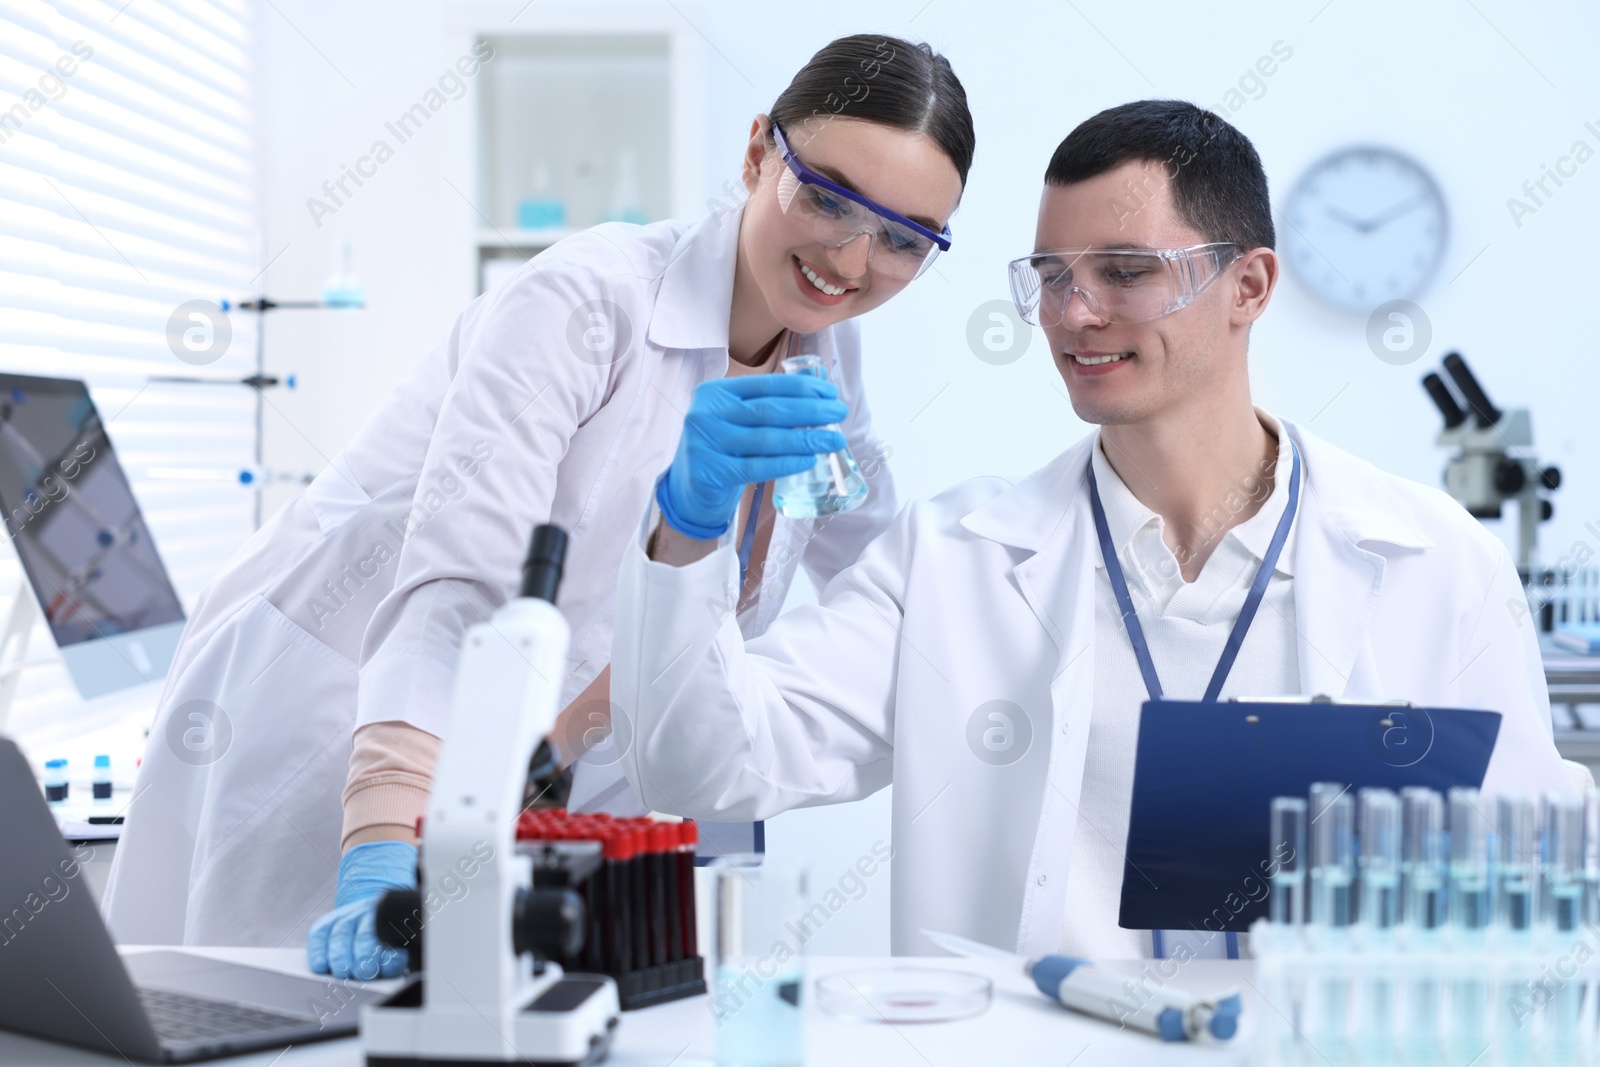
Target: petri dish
[904,995]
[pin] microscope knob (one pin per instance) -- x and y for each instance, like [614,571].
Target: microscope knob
[548,922]
[1546,509]
[399,922]
[1509,477]
[1551,477]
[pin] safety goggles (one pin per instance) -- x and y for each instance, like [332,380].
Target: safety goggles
[1117,285]
[896,246]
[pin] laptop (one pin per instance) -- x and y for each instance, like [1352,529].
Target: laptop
[62,978]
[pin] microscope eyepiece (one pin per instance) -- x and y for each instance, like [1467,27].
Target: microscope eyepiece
[1443,400]
[1471,391]
[541,572]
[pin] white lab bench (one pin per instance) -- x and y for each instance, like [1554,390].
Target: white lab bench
[1020,1027]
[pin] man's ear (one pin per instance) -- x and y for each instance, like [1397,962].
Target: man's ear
[755,152]
[1257,274]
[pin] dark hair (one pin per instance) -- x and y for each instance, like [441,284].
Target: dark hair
[885,80]
[1216,177]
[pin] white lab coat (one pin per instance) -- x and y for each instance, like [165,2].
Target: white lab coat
[348,606]
[986,593]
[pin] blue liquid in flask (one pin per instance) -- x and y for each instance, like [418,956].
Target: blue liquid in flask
[834,483]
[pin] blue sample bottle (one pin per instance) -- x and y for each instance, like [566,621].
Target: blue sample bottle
[55,780]
[102,777]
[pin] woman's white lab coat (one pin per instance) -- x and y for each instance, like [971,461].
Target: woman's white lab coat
[558,397]
[986,593]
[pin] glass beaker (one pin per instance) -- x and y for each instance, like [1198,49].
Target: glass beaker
[759,931]
[833,484]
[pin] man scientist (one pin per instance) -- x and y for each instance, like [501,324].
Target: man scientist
[995,607]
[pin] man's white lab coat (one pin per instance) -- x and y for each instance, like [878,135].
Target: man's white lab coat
[985,593]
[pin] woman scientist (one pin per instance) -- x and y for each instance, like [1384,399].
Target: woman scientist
[294,744]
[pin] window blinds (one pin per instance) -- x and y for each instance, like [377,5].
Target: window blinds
[128,188]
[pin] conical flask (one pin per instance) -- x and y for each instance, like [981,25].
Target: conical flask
[833,484]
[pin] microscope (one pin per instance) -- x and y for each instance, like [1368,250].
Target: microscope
[1494,459]
[486,925]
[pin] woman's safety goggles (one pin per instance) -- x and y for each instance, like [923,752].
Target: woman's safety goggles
[1117,285]
[896,246]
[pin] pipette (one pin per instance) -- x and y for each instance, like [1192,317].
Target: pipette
[1171,1014]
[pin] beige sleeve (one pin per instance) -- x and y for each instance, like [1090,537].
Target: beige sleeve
[391,775]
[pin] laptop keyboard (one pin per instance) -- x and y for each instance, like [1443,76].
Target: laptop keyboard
[177,1017]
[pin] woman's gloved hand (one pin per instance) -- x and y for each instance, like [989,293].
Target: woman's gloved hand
[344,942]
[744,430]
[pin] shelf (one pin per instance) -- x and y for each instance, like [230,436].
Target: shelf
[594,110]
[515,238]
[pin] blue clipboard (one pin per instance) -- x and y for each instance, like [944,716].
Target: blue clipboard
[1205,775]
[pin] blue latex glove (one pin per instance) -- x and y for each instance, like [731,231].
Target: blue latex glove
[344,942]
[744,430]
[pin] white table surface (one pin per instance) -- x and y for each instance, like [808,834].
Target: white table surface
[1020,1027]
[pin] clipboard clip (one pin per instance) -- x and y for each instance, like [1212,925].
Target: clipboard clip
[1320,698]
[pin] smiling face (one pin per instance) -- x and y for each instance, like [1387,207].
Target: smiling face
[803,283]
[1134,372]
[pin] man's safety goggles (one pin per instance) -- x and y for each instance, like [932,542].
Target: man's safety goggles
[897,246]
[1116,285]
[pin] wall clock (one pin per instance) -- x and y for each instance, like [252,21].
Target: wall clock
[1365,225]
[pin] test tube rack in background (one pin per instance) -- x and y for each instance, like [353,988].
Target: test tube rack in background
[1412,928]
[639,897]
[1565,594]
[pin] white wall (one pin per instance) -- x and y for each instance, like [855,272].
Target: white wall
[1483,94]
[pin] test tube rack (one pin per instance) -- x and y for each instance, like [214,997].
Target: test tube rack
[1473,944]
[640,900]
[1410,999]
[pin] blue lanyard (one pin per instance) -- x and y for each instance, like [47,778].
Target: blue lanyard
[1247,614]
[1241,626]
[748,539]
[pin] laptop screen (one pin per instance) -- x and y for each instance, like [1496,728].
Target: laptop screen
[72,516]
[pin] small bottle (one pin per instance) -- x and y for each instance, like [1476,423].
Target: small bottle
[834,483]
[625,194]
[343,288]
[55,780]
[102,777]
[541,209]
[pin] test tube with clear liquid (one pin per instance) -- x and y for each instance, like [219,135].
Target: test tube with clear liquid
[1516,873]
[1379,913]
[1591,857]
[1288,848]
[1332,912]
[1424,910]
[1517,863]
[1287,903]
[1562,909]
[1471,914]
[1332,856]
[834,484]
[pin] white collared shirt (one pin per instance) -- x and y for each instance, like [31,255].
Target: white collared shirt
[1186,625]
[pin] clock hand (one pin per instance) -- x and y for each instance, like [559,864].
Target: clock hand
[1349,220]
[1393,213]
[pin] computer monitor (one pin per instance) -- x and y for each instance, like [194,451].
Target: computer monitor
[84,545]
